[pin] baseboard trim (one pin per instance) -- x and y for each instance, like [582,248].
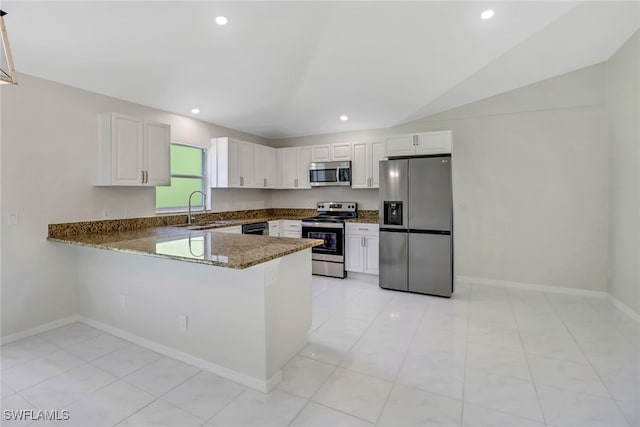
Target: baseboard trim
[45,327]
[531,287]
[634,315]
[364,277]
[254,383]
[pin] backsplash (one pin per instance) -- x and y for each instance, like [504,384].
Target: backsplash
[63,230]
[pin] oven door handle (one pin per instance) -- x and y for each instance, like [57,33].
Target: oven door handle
[323,224]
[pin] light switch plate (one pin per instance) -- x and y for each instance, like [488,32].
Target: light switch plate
[183,322]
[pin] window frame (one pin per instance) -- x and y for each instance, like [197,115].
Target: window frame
[205,182]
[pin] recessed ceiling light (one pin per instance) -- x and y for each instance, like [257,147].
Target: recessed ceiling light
[344,118]
[487,14]
[221,20]
[195,111]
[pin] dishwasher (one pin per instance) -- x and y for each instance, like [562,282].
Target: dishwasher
[259,228]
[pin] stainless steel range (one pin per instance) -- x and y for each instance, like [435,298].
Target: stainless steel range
[328,259]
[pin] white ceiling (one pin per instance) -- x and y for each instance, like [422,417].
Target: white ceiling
[282,69]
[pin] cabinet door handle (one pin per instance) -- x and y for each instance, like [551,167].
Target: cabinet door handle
[265,182]
[296,183]
[241,181]
[146,177]
[363,229]
[142,177]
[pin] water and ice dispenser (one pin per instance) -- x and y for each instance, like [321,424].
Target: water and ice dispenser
[392,213]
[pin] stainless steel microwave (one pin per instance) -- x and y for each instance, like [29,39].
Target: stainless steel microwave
[328,174]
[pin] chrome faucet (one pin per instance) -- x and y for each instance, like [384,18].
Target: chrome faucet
[204,205]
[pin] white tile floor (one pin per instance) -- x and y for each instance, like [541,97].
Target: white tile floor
[487,357]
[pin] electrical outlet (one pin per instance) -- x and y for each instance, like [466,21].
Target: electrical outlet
[183,322]
[123,302]
[105,213]
[271,274]
[12,218]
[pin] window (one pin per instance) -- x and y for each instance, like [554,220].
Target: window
[187,175]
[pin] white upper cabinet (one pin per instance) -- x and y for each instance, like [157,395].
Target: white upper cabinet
[245,164]
[157,149]
[133,152]
[230,163]
[364,168]
[303,157]
[264,166]
[331,152]
[293,167]
[377,155]
[341,151]
[269,159]
[320,153]
[423,143]
[259,177]
[287,167]
[400,145]
[433,142]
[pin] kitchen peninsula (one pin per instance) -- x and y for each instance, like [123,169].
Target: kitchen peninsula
[235,305]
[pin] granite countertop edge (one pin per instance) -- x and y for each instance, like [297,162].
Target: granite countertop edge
[364,220]
[309,243]
[139,235]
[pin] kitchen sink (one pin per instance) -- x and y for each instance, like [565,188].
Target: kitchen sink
[206,225]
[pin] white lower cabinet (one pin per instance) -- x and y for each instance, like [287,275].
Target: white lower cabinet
[274,228]
[361,248]
[291,228]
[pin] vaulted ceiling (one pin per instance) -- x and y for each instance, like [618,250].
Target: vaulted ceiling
[280,69]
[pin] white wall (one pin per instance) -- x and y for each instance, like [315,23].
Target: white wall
[530,174]
[365,198]
[49,155]
[623,101]
[234,199]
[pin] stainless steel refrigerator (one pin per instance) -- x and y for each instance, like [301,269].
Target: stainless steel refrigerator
[416,225]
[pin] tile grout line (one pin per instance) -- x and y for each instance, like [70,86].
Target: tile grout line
[615,402]
[466,355]
[157,397]
[535,387]
[335,368]
[226,405]
[394,383]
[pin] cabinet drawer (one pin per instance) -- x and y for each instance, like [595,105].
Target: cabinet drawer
[354,228]
[289,225]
